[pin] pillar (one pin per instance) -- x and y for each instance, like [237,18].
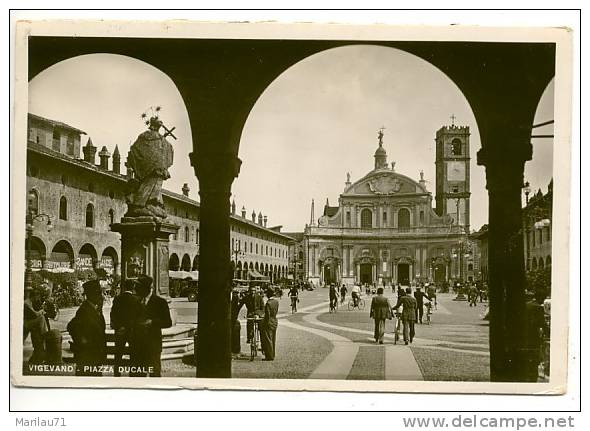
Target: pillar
[504,163]
[358,273]
[216,173]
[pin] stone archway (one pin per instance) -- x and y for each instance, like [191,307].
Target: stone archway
[503,100]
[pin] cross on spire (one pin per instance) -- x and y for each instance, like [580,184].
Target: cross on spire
[453,118]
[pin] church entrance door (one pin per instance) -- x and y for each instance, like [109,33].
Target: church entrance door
[403,274]
[366,273]
[330,273]
[439,273]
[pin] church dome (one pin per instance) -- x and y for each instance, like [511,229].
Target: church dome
[380,151]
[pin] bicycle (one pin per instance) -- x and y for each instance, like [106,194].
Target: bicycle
[255,336]
[428,312]
[398,327]
[333,305]
[360,304]
[294,301]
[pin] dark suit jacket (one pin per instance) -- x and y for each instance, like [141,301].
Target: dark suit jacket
[87,329]
[380,308]
[254,304]
[270,314]
[150,336]
[409,307]
[420,298]
[125,311]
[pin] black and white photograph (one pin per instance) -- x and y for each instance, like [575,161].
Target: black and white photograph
[375,209]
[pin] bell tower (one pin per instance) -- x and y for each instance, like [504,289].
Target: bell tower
[452,173]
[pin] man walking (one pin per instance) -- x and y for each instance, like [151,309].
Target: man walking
[124,314]
[419,295]
[154,315]
[268,326]
[34,323]
[343,291]
[380,310]
[87,329]
[408,302]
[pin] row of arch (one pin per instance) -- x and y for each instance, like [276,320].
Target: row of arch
[243,269]
[62,255]
[540,264]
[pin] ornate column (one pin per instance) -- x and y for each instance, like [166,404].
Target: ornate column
[504,162]
[216,173]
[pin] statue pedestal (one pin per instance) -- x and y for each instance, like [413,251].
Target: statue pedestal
[144,249]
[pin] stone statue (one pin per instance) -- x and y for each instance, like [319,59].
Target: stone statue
[149,157]
[348,177]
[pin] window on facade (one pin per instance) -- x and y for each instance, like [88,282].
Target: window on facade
[456,147]
[403,218]
[348,220]
[55,145]
[366,218]
[187,234]
[63,208]
[111,216]
[197,236]
[250,247]
[384,218]
[34,202]
[256,248]
[421,217]
[89,215]
[70,146]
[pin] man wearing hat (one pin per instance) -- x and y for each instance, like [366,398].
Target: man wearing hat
[34,323]
[124,314]
[154,315]
[87,329]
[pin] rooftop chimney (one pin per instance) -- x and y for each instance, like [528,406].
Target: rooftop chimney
[260,218]
[185,189]
[116,160]
[253,216]
[233,207]
[422,180]
[265,219]
[243,212]
[104,156]
[89,151]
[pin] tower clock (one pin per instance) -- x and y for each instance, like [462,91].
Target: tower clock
[452,173]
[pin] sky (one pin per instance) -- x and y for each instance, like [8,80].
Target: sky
[313,124]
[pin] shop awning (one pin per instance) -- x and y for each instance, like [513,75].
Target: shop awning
[255,274]
[183,275]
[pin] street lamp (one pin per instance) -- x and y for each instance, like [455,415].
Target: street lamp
[30,219]
[527,190]
[237,252]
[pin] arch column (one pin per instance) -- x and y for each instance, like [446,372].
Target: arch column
[216,173]
[504,162]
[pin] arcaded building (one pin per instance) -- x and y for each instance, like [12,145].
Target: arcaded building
[386,227]
[83,198]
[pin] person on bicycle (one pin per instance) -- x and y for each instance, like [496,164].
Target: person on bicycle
[343,291]
[356,294]
[333,297]
[431,292]
[254,307]
[294,295]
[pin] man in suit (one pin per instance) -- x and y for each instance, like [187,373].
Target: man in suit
[87,329]
[380,310]
[34,323]
[408,302]
[124,314]
[254,307]
[154,315]
[419,295]
[268,326]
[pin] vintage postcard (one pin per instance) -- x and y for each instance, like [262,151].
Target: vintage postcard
[291,207]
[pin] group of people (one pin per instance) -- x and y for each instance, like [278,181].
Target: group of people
[263,312]
[137,316]
[412,311]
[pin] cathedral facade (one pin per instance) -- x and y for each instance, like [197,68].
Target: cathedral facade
[386,229]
